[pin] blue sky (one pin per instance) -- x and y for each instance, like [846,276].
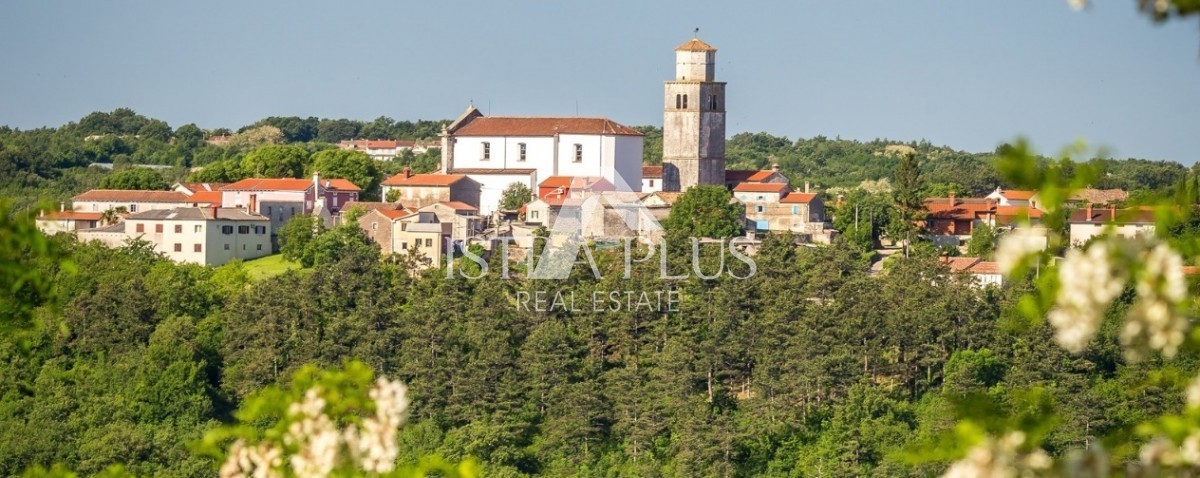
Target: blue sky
[965,74]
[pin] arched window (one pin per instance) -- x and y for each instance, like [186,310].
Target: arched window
[685,102]
[678,101]
[712,102]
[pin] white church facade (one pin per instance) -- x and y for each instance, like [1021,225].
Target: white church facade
[498,151]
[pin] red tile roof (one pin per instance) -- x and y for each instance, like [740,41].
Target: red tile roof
[371,206]
[801,198]
[1100,196]
[423,180]
[1008,215]
[1101,215]
[577,182]
[287,184]
[197,187]
[393,214]
[966,208]
[1017,194]
[122,195]
[459,205]
[546,126]
[653,172]
[973,265]
[762,188]
[207,197]
[695,45]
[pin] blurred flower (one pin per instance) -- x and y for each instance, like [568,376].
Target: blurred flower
[374,446]
[1091,462]
[1192,394]
[1016,245]
[243,461]
[1155,321]
[1089,282]
[315,437]
[1000,458]
[1077,5]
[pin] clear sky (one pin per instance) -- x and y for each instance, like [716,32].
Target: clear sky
[961,73]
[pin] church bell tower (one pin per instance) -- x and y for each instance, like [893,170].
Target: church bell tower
[694,120]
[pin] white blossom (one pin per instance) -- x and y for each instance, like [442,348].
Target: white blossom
[374,445]
[260,461]
[1016,245]
[1092,462]
[1089,282]
[314,435]
[1000,459]
[1192,394]
[1155,321]
[1077,5]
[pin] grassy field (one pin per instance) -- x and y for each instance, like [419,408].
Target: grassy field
[269,266]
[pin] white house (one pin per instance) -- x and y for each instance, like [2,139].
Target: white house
[208,236]
[498,151]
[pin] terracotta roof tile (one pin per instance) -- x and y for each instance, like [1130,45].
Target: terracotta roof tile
[577,182]
[286,184]
[1018,195]
[459,205]
[423,180]
[122,195]
[801,198]
[762,188]
[543,126]
[653,172]
[205,197]
[695,45]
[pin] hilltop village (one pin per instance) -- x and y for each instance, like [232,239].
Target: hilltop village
[583,175]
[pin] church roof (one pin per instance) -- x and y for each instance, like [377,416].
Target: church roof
[541,126]
[695,45]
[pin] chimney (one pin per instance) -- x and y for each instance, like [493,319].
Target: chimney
[775,167]
[806,187]
[1112,209]
[316,183]
[62,206]
[328,184]
[952,203]
[213,209]
[407,173]
[1088,217]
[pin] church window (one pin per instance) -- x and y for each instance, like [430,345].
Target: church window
[678,101]
[685,102]
[712,102]
[578,153]
[487,150]
[521,151]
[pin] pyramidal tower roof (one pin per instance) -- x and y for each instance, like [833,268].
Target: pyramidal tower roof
[695,45]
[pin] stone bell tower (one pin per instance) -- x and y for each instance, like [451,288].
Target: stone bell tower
[694,120]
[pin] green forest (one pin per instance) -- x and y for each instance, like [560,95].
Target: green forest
[50,165]
[811,367]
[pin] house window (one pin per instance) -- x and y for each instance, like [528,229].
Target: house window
[158,228]
[243,229]
[260,230]
[197,248]
[268,210]
[678,102]
[133,208]
[227,230]
[795,209]
[374,226]
[178,247]
[404,245]
[533,214]
[759,208]
[293,210]
[179,229]
[520,151]
[260,247]
[651,183]
[578,152]
[428,242]
[198,228]
[487,150]
[685,102]
[227,247]
[761,198]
